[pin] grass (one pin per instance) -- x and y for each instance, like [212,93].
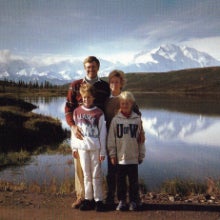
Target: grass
[174,187]
[22,129]
[198,81]
[190,187]
[182,187]
[14,158]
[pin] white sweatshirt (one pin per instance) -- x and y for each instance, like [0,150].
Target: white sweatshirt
[92,123]
[122,139]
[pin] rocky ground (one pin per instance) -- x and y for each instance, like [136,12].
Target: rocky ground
[26,205]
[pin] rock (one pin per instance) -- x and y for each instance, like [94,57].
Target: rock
[171,198]
[152,195]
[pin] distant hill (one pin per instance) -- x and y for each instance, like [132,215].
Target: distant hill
[197,81]
[204,81]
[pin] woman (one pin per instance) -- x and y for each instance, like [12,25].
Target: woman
[116,83]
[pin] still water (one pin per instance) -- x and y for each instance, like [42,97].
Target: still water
[182,140]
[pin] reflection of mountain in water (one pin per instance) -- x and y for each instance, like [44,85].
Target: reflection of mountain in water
[170,126]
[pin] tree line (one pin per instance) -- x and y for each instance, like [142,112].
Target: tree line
[30,84]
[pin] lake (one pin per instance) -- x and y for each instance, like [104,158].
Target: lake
[182,140]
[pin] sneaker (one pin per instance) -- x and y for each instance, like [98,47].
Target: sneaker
[77,203]
[86,205]
[121,206]
[100,207]
[133,206]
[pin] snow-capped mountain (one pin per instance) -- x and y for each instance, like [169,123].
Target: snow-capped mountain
[171,57]
[165,58]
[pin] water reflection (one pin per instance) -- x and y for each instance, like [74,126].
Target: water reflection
[42,169]
[53,106]
[178,144]
[193,129]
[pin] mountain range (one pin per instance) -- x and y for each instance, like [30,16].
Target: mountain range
[162,59]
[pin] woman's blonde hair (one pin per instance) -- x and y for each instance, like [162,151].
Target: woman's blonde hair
[117,73]
[126,95]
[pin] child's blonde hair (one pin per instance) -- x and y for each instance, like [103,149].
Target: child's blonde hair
[126,95]
[87,89]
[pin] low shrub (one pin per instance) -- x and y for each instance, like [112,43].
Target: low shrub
[183,187]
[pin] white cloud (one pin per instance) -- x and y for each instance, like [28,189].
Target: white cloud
[210,45]
[6,56]
[209,136]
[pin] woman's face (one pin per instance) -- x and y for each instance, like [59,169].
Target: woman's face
[115,85]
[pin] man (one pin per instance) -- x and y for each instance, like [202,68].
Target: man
[74,99]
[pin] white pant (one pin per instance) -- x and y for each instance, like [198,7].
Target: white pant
[92,172]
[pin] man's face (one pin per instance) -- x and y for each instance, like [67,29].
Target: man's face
[91,69]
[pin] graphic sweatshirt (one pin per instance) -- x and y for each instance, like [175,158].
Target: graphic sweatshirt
[92,123]
[122,139]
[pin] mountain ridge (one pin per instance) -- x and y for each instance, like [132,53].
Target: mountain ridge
[165,58]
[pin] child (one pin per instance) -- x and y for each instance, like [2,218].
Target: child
[125,150]
[92,149]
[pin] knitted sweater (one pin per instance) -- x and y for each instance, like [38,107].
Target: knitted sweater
[122,139]
[92,123]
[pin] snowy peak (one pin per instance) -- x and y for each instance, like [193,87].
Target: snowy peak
[165,58]
[173,57]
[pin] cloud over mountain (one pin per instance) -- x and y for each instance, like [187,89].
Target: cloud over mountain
[60,71]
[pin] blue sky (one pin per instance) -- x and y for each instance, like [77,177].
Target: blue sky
[113,29]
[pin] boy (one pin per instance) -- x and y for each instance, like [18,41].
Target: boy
[125,150]
[91,149]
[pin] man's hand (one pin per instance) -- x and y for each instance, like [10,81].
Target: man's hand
[77,131]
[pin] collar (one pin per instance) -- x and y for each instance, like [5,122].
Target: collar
[91,81]
[127,115]
[114,96]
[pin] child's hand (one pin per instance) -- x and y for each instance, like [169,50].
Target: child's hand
[113,160]
[101,158]
[140,161]
[75,154]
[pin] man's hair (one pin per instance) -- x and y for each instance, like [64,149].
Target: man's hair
[91,59]
[126,95]
[118,73]
[87,88]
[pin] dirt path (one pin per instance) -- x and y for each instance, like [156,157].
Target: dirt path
[30,206]
[65,214]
